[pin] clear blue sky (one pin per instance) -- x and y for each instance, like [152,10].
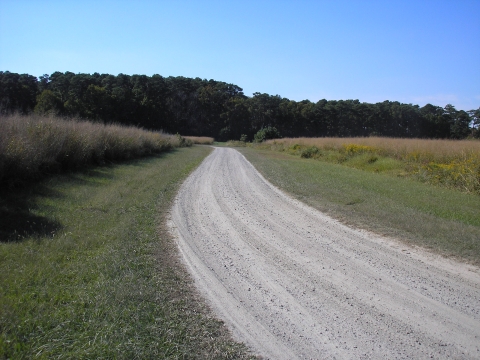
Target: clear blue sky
[409,51]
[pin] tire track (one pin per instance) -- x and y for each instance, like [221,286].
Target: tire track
[292,283]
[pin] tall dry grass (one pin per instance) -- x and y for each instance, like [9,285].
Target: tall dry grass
[451,163]
[201,140]
[422,150]
[31,146]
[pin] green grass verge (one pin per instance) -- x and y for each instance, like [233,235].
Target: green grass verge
[446,221]
[90,271]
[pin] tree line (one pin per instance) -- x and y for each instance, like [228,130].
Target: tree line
[200,107]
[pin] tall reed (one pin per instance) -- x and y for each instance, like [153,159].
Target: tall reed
[31,146]
[202,140]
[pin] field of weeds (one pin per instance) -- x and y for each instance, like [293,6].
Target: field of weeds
[31,146]
[449,163]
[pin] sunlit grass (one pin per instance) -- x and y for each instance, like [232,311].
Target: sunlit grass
[449,163]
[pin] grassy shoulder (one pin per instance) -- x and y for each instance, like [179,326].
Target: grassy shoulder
[94,274]
[443,220]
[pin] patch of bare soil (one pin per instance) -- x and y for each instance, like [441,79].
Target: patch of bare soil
[292,283]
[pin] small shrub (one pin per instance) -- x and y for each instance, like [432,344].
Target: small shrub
[266,134]
[309,152]
[372,159]
[183,141]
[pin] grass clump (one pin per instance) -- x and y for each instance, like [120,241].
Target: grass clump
[309,152]
[31,146]
[448,163]
[98,275]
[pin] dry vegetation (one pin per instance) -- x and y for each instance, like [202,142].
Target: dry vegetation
[202,140]
[32,145]
[236,143]
[450,163]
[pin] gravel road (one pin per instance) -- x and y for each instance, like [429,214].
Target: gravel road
[292,283]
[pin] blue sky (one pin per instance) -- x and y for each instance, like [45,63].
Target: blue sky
[409,51]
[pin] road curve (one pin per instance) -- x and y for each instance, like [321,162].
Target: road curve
[290,282]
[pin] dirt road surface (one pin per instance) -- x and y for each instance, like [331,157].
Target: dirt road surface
[293,283]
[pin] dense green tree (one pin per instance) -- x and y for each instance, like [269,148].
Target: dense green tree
[48,103]
[96,103]
[434,123]
[18,92]
[459,122]
[475,122]
[43,82]
[235,119]
[195,106]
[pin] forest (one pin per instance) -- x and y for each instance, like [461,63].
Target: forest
[200,107]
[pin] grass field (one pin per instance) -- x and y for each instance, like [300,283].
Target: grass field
[90,271]
[444,220]
[448,163]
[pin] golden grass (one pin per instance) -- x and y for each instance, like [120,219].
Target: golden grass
[236,143]
[32,145]
[202,140]
[451,163]
[421,149]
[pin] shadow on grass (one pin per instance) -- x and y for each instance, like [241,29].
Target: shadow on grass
[17,202]
[17,221]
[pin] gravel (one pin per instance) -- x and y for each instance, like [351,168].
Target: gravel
[293,283]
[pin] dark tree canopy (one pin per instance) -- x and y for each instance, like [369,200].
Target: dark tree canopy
[194,106]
